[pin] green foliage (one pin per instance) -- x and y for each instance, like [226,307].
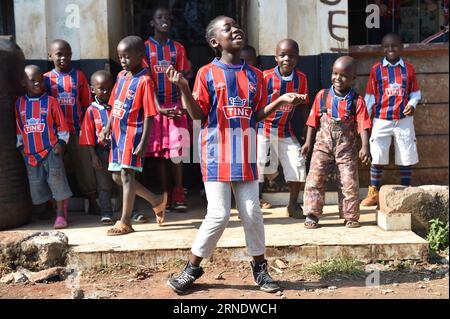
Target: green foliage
[438,235]
[336,267]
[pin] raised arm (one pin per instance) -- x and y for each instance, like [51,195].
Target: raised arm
[187,99]
[288,98]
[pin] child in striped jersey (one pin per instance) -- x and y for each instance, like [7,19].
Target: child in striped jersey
[392,95]
[42,133]
[95,120]
[276,137]
[133,103]
[229,99]
[70,87]
[169,137]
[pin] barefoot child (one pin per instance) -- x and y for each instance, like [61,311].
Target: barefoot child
[336,115]
[169,136]
[133,101]
[95,120]
[42,133]
[71,88]
[392,95]
[229,98]
[276,139]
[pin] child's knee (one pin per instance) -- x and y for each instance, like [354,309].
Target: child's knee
[117,178]
[127,176]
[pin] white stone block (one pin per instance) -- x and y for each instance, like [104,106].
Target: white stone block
[392,222]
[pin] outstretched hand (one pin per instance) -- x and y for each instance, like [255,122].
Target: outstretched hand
[176,77]
[293,98]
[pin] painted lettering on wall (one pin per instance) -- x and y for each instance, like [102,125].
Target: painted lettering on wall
[333,26]
[73,17]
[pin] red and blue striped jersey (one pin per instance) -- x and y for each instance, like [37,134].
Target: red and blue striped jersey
[340,108]
[391,86]
[279,123]
[158,59]
[73,94]
[132,99]
[229,97]
[95,120]
[40,124]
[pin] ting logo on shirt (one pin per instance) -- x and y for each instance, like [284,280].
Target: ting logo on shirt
[118,111]
[34,125]
[395,89]
[237,109]
[162,66]
[66,99]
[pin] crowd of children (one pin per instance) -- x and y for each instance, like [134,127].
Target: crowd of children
[107,130]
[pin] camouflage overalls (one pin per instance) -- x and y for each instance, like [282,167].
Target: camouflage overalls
[335,142]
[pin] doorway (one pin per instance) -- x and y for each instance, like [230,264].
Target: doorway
[190,19]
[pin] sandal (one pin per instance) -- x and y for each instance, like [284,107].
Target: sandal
[265,204]
[119,229]
[60,223]
[106,219]
[311,222]
[160,210]
[138,217]
[351,224]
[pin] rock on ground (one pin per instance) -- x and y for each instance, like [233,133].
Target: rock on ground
[34,251]
[424,203]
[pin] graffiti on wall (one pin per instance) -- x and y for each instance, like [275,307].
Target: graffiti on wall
[333,27]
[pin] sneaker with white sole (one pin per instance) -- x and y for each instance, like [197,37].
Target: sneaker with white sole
[262,277]
[182,282]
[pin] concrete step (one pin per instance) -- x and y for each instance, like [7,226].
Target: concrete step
[286,238]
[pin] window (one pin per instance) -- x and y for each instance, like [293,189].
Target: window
[414,20]
[7,17]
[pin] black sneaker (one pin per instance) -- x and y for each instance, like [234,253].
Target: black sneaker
[185,279]
[262,277]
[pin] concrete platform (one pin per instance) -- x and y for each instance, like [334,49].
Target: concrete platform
[286,238]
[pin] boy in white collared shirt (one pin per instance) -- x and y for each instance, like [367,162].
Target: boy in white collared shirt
[392,95]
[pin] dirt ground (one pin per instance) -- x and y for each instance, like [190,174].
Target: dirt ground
[234,281]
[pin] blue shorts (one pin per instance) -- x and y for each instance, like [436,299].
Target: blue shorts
[48,180]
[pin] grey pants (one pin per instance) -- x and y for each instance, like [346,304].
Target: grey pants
[80,160]
[104,181]
[218,215]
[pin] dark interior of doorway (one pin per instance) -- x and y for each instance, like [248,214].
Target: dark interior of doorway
[190,19]
[7,17]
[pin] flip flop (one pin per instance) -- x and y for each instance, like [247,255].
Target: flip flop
[351,224]
[311,222]
[120,229]
[265,204]
[160,210]
[60,223]
[138,217]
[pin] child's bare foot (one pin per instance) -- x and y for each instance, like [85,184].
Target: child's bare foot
[160,210]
